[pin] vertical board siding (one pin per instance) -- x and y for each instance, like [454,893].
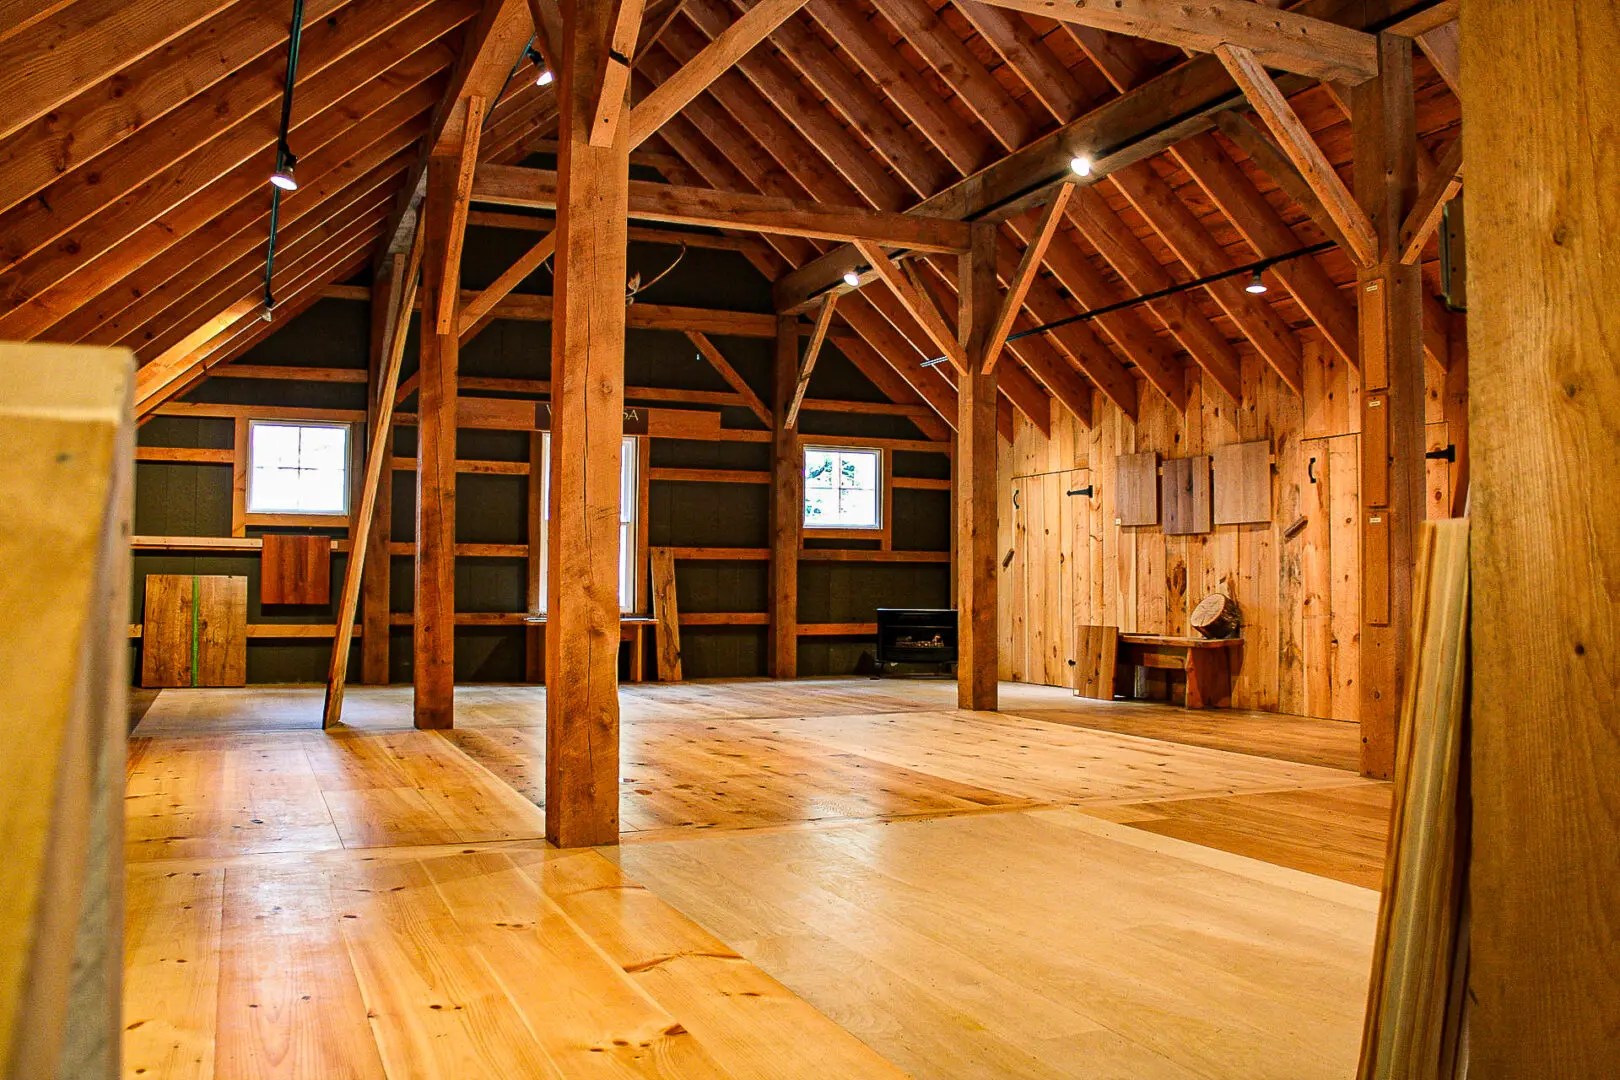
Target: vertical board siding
[1071,564]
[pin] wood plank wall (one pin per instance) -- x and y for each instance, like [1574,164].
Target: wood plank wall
[1070,564]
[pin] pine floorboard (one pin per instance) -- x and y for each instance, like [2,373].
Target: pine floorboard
[840,877]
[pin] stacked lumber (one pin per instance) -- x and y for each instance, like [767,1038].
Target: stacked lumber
[1415,1027]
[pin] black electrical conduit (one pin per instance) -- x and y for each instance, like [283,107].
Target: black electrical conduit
[1196,283]
[284,154]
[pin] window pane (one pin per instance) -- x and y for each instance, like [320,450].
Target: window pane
[842,488]
[819,468]
[627,480]
[820,507]
[627,577]
[274,446]
[298,468]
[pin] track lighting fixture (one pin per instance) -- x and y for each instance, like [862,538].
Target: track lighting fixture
[543,75]
[1081,165]
[1255,285]
[852,278]
[283,177]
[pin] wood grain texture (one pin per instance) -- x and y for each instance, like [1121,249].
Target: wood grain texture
[1185,494]
[348,883]
[975,474]
[1242,483]
[295,569]
[667,612]
[587,368]
[1546,630]
[1137,500]
[67,437]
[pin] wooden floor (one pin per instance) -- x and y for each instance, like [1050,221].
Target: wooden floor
[829,877]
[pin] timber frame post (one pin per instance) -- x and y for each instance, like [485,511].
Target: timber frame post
[975,472]
[787,504]
[433,671]
[1393,484]
[1544,338]
[587,425]
[374,583]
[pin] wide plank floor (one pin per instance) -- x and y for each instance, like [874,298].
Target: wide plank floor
[838,877]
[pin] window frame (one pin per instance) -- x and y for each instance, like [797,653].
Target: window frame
[880,473]
[330,518]
[631,557]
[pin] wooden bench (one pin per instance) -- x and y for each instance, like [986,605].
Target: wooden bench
[632,631]
[1108,662]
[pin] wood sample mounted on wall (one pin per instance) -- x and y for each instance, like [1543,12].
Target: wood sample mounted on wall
[195,632]
[1186,496]
[1137,501]
[1243,483]
[295,569]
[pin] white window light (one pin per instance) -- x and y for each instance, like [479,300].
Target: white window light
[842,488]
[629,501]
[298,468]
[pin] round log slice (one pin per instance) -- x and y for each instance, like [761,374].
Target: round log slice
[1216,616]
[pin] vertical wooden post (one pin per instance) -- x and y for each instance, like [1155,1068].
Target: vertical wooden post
[534,636]
[975,473]
[1392,438]
[374,584]
[434,668]
[1541,98]
[587,425]
[787,505]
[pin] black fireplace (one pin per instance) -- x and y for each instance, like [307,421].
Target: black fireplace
[915,636]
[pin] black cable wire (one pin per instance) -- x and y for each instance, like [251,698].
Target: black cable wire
[284,155]
[1196,283]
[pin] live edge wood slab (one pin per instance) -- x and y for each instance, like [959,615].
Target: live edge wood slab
[1207,664]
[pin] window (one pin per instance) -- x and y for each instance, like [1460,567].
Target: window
[629,500]
[841,488]
[297,468]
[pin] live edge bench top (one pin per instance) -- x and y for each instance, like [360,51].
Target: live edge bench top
[1181,642]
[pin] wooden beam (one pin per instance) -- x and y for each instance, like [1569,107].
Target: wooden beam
[808,367]
[484,303]
[975,470]
[721,365]
[787,505]
[433,642]
[100,36]
[728,47]
[465,156]
[1424,218]
[1282,39]
[378,455]
[1442,46]
[1269,158]
[1393,483]
[917,305]
[1028,267]
[389,311]
[1544,266]
[1142,272]
[1301,148]
[494,43]
[587,373]
[613,72]
[1142,121]
[678,204]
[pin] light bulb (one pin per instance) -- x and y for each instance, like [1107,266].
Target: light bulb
[1081,165]
[1255,285]
[852,279]
[544,78]
[283,177]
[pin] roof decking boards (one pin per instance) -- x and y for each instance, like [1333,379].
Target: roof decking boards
[133,207]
